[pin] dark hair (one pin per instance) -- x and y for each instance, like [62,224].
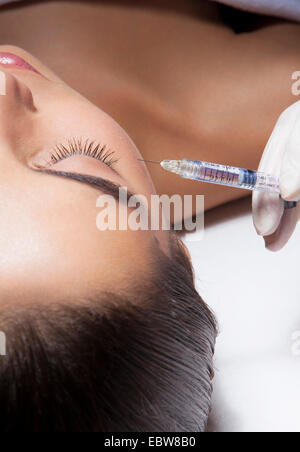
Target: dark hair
[141,363]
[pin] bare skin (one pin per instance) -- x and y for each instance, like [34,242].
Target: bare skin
[178,80]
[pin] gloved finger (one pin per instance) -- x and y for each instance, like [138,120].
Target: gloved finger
[279,239]
[268,210]
[290,170]
[268,207]
[276,145]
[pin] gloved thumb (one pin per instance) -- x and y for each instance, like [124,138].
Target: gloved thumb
[268,210]
[279,239]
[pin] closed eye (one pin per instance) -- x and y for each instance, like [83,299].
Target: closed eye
[86,148]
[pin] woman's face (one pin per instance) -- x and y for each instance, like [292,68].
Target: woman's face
[49,241]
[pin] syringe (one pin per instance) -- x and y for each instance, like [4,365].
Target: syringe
[222,175]
[229,176]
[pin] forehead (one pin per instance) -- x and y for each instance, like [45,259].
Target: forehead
[50,244]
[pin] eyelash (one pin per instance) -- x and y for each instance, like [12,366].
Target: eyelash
[87,148]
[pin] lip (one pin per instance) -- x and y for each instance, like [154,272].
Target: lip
[10,60]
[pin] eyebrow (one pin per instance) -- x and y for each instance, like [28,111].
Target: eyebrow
[104,185]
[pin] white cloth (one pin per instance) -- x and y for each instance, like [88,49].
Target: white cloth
[287,9]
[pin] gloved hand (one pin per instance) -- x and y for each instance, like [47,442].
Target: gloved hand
[282,158]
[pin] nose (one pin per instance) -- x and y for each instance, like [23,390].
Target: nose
[15,96]
[16,120]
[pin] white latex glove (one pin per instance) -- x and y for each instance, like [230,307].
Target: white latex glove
[281,158]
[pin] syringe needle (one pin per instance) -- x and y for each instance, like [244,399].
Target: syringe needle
[149,161]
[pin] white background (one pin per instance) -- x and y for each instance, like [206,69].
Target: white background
[255,295]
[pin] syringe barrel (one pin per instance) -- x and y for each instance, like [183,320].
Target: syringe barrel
[228,175]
